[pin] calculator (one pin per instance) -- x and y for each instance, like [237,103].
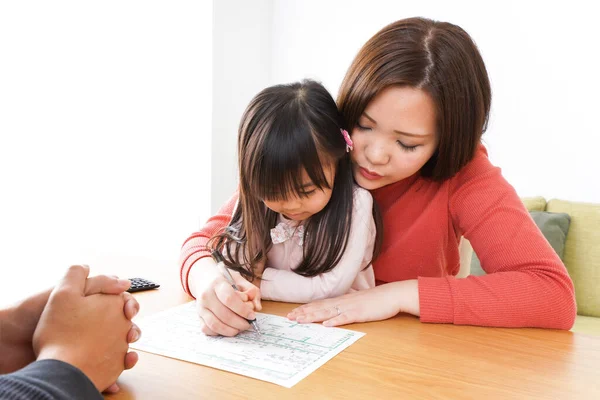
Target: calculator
[139,284]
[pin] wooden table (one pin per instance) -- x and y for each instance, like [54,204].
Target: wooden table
[397,358]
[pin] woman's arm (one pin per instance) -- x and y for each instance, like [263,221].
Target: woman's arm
[286,285]
[222,310]
[527,285]
[194,247]
[381,302]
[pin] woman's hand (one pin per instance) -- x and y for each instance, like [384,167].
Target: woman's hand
[222,310]
[374,304]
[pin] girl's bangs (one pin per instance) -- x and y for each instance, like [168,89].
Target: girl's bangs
[278,170]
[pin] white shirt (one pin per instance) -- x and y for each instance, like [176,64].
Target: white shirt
[281,283]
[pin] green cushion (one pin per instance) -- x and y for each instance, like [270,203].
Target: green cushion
[534,203]
[554,227]
[582,252]
[588,325]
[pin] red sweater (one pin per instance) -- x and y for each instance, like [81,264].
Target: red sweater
[526,284]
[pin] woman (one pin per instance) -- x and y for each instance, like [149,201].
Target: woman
[417,99]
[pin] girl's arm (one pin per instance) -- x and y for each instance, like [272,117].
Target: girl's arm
[285,285]
[527,285]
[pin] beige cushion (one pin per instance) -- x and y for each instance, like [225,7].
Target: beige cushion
[588,325]
[465,250]
[582,252]
[534,203]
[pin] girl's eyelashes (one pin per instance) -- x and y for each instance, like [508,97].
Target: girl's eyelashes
[362,128]
[307,193]
[300,193]
[405,147]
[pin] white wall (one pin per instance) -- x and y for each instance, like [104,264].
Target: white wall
[104,116]
[108,113]
[242,38]
[541,56]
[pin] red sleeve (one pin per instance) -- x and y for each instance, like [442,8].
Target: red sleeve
[194,247]
[526,284]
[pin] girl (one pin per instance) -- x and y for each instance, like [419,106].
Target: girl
[416,99]
[301,226]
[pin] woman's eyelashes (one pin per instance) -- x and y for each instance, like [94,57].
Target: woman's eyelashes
[406,147]
[362,127]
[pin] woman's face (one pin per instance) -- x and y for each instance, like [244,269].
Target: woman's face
[395,136]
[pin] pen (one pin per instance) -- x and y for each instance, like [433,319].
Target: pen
[216,255]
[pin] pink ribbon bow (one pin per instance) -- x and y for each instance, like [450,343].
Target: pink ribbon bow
[349,142]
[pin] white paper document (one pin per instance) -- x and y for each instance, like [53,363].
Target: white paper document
[285,353]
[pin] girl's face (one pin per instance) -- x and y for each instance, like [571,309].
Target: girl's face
[299,208]
[395,136]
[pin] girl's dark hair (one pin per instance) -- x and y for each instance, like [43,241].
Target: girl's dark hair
[440,58]
[284,130]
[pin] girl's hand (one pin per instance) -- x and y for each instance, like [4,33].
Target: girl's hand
[374,304]
[222,310]
[252,292]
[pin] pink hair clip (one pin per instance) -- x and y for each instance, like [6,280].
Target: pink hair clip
[349,143]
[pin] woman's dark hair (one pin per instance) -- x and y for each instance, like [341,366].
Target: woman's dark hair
[439,58]
[287,129]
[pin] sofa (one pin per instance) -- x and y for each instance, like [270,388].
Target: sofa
[574,233]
